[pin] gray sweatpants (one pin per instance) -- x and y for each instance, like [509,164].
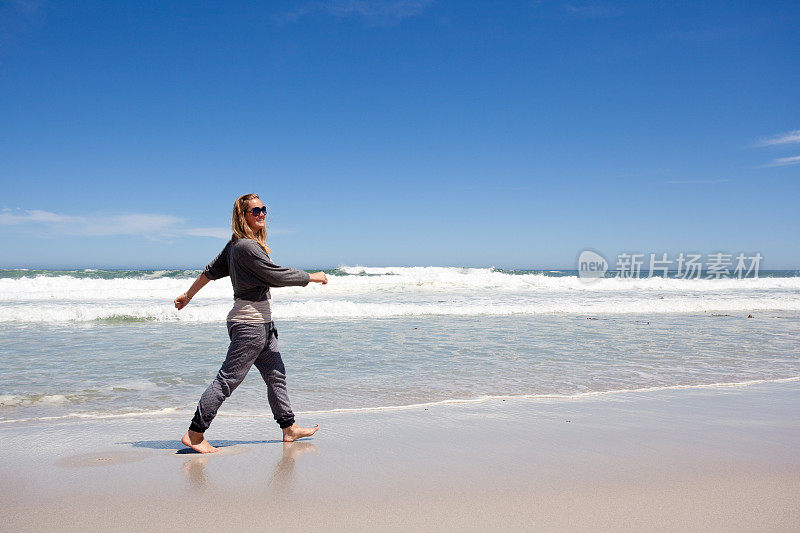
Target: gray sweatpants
[251,344]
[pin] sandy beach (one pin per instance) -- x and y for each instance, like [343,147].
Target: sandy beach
[701,459]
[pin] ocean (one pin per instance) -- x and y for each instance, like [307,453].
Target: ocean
[94,344]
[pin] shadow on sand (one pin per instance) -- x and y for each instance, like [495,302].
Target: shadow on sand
[180,449]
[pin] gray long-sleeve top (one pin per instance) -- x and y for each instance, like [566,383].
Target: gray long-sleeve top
[251,270]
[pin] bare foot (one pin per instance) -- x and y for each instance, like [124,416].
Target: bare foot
[295,432]
[197,442]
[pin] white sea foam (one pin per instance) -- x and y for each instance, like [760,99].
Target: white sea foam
[98,416]
[337,309]
[384,279]
[18,400]
[171,411]
[576,396]
[77,395]
[392,291]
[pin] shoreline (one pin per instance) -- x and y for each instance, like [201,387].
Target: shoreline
[174,412]
[704,459]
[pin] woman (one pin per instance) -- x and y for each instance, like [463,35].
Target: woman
[254,339]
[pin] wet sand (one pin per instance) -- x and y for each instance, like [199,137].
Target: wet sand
[700,459]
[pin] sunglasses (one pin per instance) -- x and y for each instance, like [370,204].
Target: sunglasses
[258,210]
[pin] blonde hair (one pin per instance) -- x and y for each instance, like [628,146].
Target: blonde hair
[242,230]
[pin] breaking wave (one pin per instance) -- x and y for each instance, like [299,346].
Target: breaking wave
[363,292]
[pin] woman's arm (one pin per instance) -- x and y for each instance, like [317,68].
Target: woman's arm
[251,259]
[182,300]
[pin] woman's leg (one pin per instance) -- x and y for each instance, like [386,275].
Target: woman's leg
[247,342]
[270,365]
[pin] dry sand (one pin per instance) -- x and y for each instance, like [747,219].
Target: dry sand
[692,459]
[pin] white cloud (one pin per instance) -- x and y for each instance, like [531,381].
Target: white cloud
[37,215]
[790,137]
[133,224]
[784,161]
[217,233]
[373,11]
[144,224]
[98,225]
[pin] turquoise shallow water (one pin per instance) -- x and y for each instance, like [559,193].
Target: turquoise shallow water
[69,371]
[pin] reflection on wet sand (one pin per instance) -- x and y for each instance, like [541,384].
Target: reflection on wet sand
[282,474]
[194,469]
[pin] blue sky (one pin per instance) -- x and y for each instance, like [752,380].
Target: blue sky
[398,132]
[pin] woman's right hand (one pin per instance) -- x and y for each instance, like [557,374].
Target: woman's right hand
[318,277]
[181,301]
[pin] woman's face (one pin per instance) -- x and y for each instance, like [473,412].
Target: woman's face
[256,223]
